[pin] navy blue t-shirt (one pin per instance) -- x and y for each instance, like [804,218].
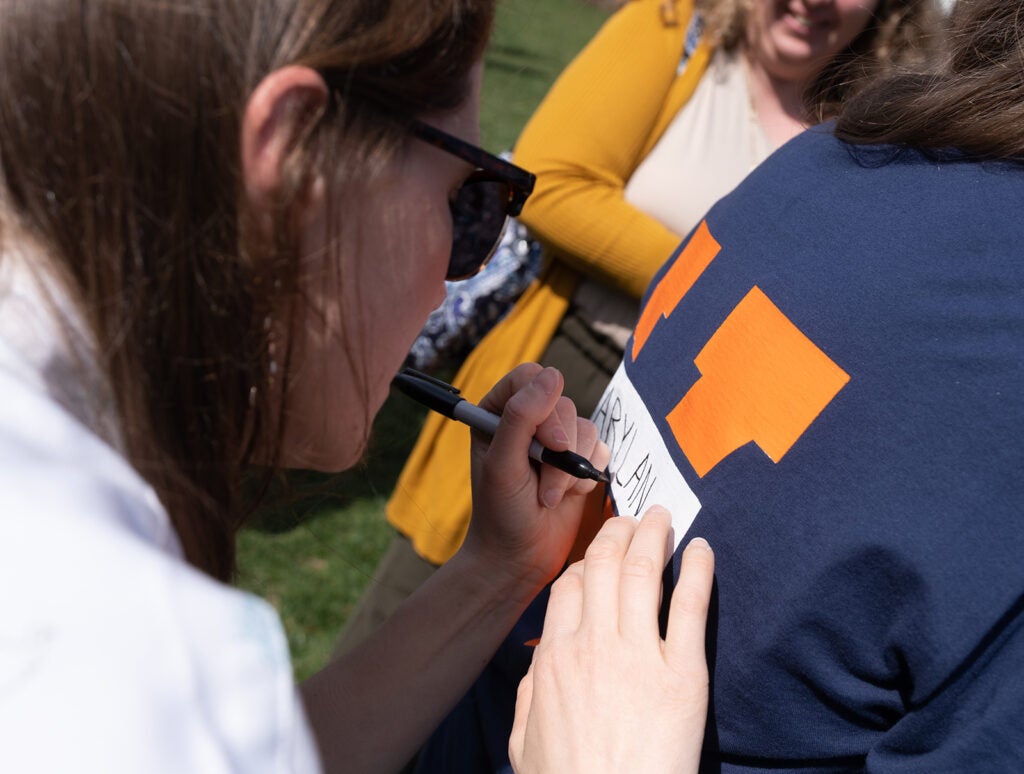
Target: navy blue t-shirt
[827,382]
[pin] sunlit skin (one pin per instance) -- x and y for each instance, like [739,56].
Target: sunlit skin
[366,308]
[787,44]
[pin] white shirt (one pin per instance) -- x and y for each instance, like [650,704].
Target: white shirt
[115,654]
[714,142]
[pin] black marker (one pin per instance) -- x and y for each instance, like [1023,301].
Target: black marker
[445,399]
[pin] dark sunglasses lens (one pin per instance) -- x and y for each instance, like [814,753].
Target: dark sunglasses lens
[478,219]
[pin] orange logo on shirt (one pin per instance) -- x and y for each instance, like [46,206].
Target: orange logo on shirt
[762,380]
[699,252]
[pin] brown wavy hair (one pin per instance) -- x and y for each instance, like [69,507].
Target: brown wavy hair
[119,147]
[901,33]
[974,102]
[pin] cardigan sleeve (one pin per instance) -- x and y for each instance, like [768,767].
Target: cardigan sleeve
[588,136]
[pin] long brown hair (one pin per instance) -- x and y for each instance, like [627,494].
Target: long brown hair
[975,103]
[901,32]
[119,147]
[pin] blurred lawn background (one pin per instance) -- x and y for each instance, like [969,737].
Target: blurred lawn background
[312,550]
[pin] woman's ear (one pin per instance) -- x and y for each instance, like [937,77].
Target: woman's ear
[277,111]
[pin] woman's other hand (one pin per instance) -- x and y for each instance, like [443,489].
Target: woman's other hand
[604,692]
[525,515]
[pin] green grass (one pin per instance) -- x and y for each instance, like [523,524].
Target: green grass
[311,551]
[533,41]
[313,548]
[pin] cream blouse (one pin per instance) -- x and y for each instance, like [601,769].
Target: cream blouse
[710,146]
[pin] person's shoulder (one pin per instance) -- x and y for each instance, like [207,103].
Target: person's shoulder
[812,161]
[54,467]
[153,666]
[818,163]
[109,632]
[820,142]
[815,148]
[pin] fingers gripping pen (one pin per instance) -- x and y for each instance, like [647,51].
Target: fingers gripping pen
[445,399]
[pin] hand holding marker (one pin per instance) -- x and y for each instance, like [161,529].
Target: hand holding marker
[445,399]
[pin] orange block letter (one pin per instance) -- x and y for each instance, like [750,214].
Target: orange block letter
[761,380]
[699,252]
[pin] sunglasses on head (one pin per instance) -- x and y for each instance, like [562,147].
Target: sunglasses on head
[493,193]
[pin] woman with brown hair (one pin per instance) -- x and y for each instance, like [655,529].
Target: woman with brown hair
[222,222]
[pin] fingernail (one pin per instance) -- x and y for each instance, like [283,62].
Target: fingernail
[560,437]
[547,380]
[701,543]
[551,498]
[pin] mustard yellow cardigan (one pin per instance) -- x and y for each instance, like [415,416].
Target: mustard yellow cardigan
[600,119]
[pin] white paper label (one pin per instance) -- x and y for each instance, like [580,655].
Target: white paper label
[642,470]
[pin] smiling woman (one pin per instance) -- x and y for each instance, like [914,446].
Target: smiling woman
[788,43]
[830,46]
